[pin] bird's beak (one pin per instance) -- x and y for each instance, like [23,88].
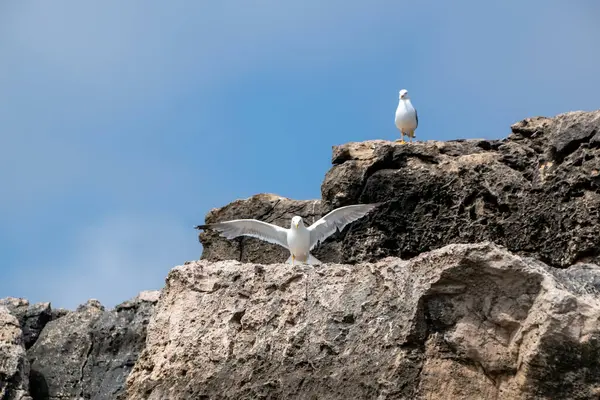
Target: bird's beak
[296,225]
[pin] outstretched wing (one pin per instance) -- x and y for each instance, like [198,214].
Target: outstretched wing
[250,227]
[337,220]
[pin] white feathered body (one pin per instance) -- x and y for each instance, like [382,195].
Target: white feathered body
[406,117]
[298,240]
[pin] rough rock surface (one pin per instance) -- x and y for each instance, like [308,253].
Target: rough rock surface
[14,367]
[32,317]
[536,192]
[461,322]
[88,353]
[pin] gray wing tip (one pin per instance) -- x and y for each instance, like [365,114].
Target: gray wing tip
[373,205]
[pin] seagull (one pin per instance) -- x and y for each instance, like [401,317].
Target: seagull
[407,119]
[298,239]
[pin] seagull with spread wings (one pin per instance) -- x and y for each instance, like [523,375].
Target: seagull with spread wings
[298,239]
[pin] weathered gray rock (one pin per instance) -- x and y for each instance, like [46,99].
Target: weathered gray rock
[14,368]
[118,338]
[60,354]
[32,317]
[461,322]
[58,313]
[536,192]
[88,353]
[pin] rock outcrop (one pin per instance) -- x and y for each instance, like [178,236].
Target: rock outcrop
[460,322]
[14,368]
[477,278]
[32,317]
[536,192]
[87,353]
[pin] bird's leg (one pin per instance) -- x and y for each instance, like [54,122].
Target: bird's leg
[306,286]
[402,136]
[293,259]
[410,139]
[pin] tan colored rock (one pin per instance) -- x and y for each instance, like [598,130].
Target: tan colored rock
[32,317]
[461,322]
[14,368]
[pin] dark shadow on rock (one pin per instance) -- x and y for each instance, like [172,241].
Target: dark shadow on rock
[38,387]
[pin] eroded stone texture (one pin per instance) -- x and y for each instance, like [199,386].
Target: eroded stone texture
[59,356]
[460,322]
[14,368]
[88,353]
[32,317]
[536,192]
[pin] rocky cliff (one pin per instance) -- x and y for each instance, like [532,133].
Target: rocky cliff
[461,322]
[82,354]
[14,369]
[476,279]
[536,192]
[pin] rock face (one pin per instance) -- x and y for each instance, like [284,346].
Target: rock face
[536,193]
[117,338]
[88,353]
[461,322]
[14,368]
[32,317]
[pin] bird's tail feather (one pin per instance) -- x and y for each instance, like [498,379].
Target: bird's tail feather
[310,260]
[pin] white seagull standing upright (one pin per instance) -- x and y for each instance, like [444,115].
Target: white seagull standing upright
[407,119]
[299,239]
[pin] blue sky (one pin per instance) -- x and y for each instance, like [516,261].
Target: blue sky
[123,122]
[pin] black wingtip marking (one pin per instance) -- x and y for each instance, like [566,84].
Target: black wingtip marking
[203,227]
